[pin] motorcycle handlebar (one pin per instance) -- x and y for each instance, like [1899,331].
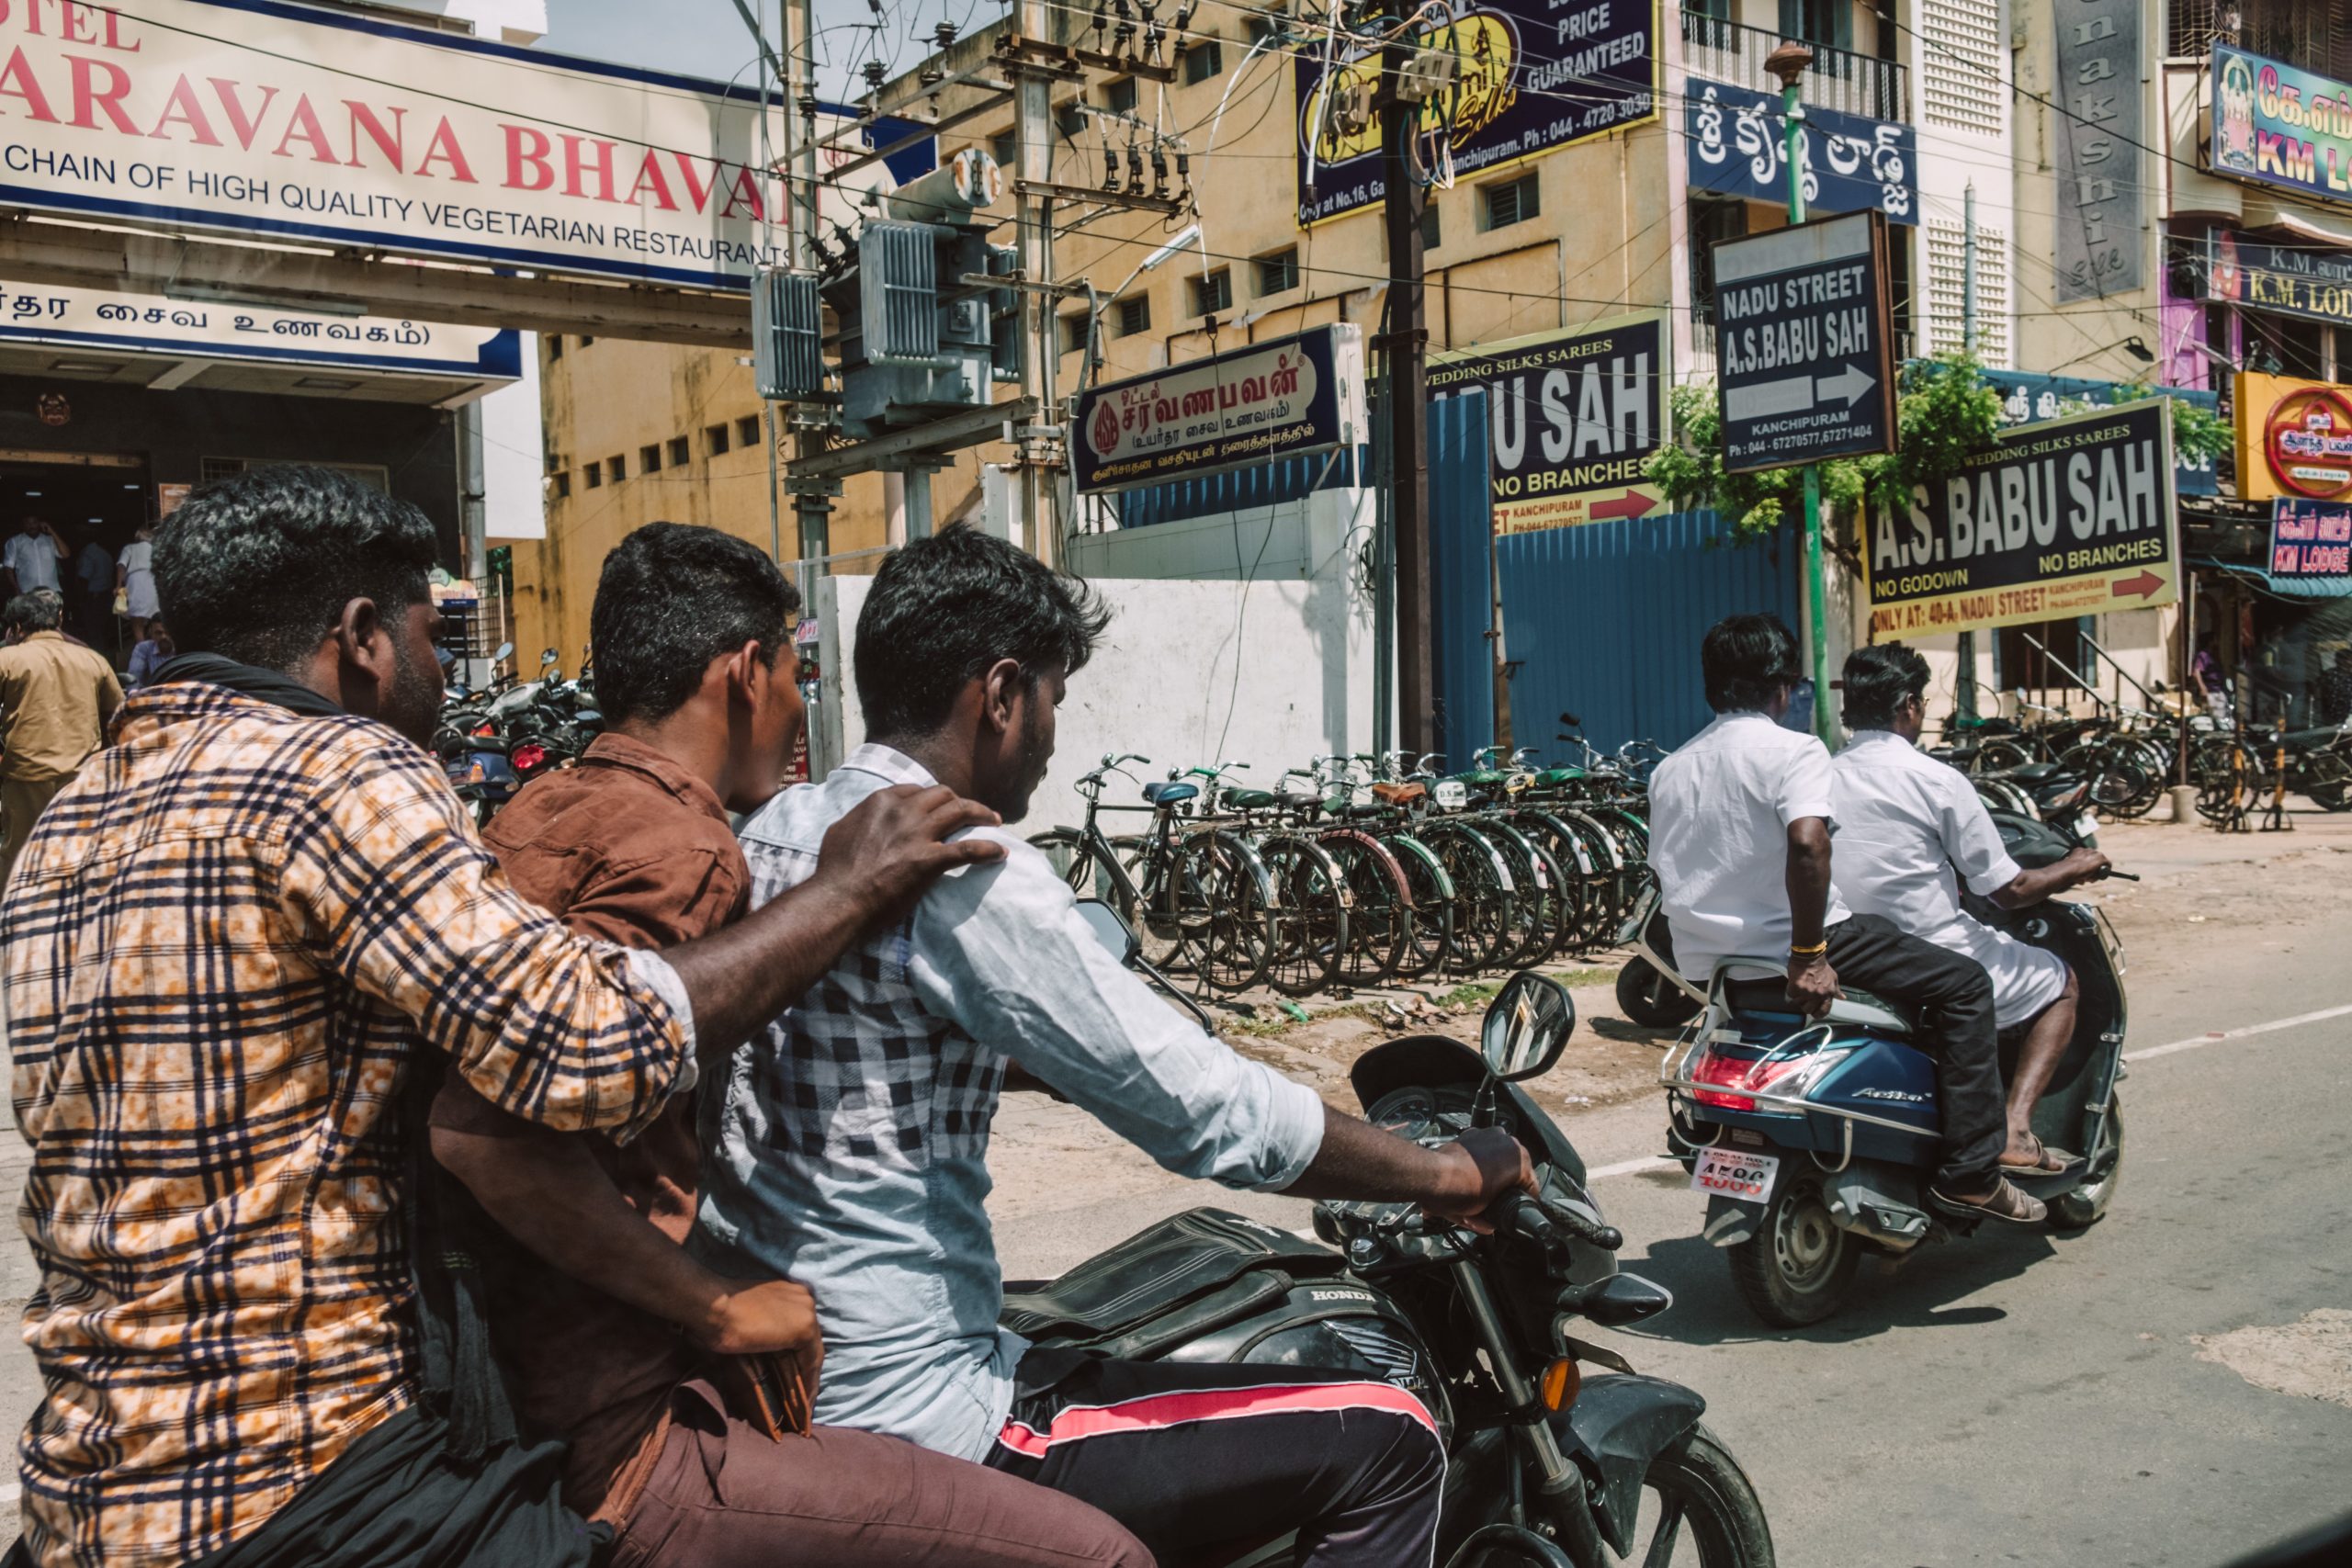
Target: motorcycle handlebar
[1546,1226]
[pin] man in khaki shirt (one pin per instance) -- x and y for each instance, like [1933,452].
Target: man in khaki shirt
[55,699]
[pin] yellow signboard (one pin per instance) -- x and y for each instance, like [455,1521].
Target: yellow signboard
[2294,439]
[2068,517]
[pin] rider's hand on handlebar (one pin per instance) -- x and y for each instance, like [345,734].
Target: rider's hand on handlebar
[1492,1163]
[1813,984]
[2086,866]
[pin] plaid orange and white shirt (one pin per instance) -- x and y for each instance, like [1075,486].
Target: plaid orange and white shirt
[222,948]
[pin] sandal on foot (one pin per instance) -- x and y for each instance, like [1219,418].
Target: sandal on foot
[2005,1202]
[2046,1161]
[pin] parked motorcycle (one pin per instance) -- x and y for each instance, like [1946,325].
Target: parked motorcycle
[1546,1463]
[1814,1141]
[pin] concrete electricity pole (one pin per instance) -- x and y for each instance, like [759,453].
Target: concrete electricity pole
[1964,690]
[1033,130]
[1405,346]
[1788,63]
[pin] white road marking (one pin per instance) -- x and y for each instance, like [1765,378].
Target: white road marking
[2216,1036]
[1659,1162]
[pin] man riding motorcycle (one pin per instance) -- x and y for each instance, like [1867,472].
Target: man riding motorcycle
[1909,828]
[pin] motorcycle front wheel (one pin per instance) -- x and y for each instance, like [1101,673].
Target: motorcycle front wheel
[1796,1269]
[1700,1510]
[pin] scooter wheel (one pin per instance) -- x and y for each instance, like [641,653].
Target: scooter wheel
[1649,998]
[1796,1269]
[2086,1204]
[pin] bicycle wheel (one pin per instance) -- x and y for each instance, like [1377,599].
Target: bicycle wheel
[1486,915]
[1310,914]
[1221,896]
[1574,890]
[2327,779]
[2001,753]
[2115,779]
[1538,932]
[1431,935]
[1380,906]
[1615,884]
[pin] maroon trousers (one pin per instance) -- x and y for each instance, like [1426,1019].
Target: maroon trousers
[724,1494]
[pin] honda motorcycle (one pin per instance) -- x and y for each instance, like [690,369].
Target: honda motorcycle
[1815,1139]
[1559,1454]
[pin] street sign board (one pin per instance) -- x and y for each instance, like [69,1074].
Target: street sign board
[1576,413]
[2309,538]
[1285,398]
[2070,517]
[1804,345]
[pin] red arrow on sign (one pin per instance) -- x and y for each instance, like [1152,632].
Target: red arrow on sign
[2144,585]
[1632,503]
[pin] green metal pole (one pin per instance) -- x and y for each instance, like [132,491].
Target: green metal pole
[1824,711]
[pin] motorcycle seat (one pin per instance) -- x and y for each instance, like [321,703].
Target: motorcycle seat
[1858,1008]
[1399,793]
[2028,772]
[1169,792]
[1174,1262]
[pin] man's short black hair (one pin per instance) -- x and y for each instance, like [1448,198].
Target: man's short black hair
[34,612]
[258,566]
[943,609]
[1879,680]
[672,598]
[1745,660]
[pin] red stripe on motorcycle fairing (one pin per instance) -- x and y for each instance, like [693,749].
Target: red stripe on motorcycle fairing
[1157,1411]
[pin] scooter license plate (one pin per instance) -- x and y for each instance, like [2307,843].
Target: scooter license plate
[2086,825]
[1734,1173]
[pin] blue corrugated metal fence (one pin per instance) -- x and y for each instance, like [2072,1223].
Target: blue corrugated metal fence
[1461,575]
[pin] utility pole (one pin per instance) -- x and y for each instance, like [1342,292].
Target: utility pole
[1405,348]
[812,508]
[1965,694]
[1788,63]
[1033,131]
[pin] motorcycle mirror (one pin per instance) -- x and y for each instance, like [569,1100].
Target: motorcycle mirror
[1527,1026]
[1617,1300]
[506,651]
[1110,930]
[546,657]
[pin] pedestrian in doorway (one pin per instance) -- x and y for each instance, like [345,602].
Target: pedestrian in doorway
[150,655]
[2205,674]
[32,557]
[55,699]
[92,598]
[134,577]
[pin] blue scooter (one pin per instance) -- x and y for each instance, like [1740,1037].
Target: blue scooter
[1814,1140]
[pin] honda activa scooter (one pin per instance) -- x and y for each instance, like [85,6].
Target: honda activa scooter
[1544,1463]
[1815,1139]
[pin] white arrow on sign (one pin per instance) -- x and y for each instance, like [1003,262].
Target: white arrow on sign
[1793,394]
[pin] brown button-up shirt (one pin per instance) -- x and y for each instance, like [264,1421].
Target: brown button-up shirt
[56,697]
[630,847]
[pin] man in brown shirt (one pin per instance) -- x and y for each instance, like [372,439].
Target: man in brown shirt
[616,1337]
[55,699]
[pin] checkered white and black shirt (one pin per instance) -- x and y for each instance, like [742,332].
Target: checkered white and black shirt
[850,1144]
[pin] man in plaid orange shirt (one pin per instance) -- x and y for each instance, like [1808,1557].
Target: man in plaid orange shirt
[230,947]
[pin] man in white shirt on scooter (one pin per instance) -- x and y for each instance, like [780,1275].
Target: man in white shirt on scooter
[1909,830]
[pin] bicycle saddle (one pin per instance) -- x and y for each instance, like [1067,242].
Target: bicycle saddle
[1399,793]
[2028,773]
[1553,778]
[1169,792]
[1249,799]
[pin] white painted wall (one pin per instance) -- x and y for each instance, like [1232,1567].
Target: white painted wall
[1272,669]
[513,460]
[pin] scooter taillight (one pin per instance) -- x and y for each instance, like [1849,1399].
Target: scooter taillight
[1750,1073]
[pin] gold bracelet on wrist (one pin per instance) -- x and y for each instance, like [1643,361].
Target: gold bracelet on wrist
[1818,950]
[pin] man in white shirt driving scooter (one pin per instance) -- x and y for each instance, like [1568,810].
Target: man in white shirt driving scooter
[1910,829]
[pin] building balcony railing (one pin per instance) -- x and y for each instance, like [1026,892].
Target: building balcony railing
[1837,78]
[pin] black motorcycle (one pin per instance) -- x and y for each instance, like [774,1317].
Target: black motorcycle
[1546,1464]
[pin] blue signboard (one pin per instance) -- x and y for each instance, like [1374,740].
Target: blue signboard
[1804,346]
[2028,397]
[1738,142]
[1285,398]
[2311,538]
[2277,125]
[1536,74]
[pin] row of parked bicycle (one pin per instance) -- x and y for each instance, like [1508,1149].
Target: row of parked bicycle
[1359,871]
[2127,756]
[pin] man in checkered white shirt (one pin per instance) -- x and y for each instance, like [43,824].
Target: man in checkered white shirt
[852,1138]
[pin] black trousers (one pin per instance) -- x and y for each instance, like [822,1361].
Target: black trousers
[1193,1456]
[1955,997]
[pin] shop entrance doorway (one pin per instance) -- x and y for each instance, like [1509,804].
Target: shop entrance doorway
[101,496]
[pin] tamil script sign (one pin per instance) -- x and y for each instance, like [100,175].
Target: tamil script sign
[1285,398]
[1536,74]
[2291,281]
[143,323]
[2028,396]
[2102,200]
[1738,146]
[2294,439]
[2074,517]
[328,128]
[2309,538]
[2277,125]
[1573,414]
[1804,348]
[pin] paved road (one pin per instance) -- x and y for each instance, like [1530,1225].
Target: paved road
[2020,1398]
